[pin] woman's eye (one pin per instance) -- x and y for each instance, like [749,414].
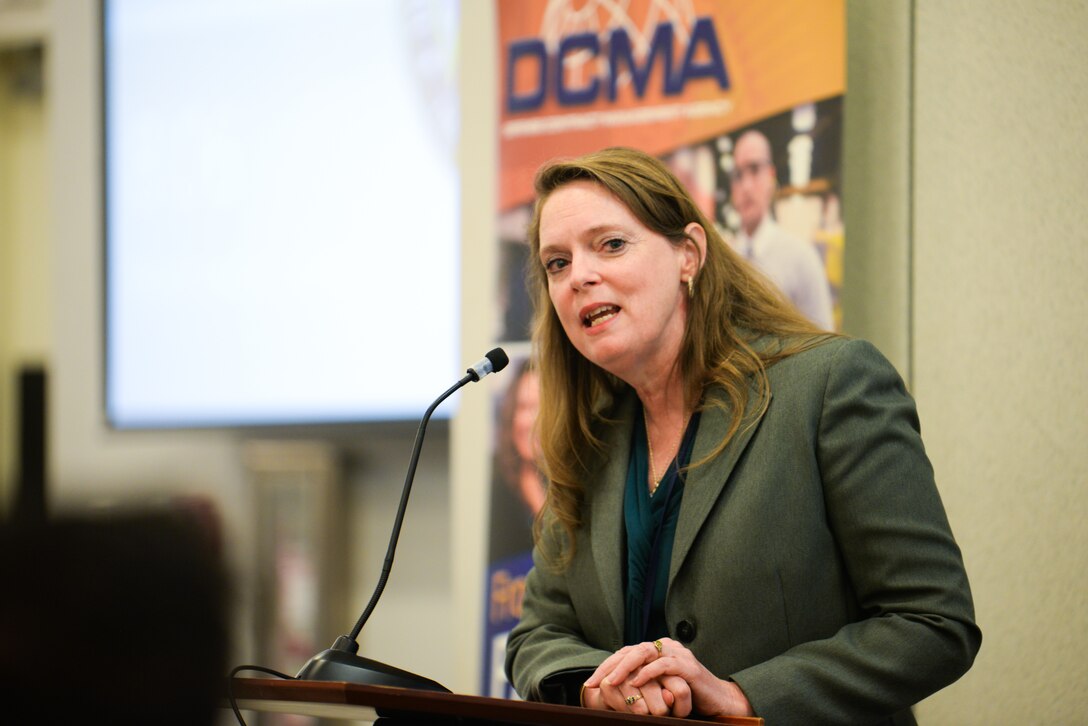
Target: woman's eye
[555,264]
[614,244]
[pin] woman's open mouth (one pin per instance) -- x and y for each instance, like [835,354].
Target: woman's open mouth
[599,315]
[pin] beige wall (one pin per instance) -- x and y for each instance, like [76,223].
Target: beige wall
[1000,329]
[966,262]
[876,177]
[470,462]
[25,304]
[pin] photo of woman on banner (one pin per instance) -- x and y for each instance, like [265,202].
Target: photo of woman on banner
[741,518]
[517,494]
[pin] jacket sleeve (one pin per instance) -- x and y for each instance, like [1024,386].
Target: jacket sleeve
[916,633]
[547,654]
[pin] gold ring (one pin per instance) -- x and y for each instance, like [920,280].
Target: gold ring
[657,644]
[631,700]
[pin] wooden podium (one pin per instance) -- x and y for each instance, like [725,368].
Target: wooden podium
[396,706]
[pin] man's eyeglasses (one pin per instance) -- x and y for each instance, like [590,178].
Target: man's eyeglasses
[750,169]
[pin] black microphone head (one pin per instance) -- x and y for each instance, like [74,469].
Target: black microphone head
[493,362]
[498,359]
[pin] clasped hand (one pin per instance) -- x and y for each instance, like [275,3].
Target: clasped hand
[662,678]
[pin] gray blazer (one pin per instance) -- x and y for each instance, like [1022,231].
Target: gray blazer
[813,562]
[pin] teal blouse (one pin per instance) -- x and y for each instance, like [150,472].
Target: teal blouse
[650,526]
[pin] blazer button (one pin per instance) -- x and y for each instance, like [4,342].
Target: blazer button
[685,631]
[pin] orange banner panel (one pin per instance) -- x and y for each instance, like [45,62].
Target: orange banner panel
[654,74]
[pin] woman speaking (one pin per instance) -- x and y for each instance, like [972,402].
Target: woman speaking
[740,518]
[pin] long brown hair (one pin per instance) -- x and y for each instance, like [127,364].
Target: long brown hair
[737,325]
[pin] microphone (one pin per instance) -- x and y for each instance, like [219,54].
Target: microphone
[493,362]
[341,662]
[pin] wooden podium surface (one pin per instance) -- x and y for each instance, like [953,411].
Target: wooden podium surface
[399,705]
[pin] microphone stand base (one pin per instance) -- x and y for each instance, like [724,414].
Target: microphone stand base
[338,665]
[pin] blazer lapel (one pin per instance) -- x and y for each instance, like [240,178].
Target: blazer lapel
[606,512]
[706,483]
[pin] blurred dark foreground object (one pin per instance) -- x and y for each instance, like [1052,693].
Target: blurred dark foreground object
[118,618]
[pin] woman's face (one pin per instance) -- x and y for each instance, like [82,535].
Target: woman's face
[525,412]
[618,288]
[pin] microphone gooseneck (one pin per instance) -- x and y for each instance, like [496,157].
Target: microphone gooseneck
[340,662]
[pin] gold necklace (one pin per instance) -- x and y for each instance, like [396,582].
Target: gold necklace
[654,483]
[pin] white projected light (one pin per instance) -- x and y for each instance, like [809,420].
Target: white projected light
[282,210]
